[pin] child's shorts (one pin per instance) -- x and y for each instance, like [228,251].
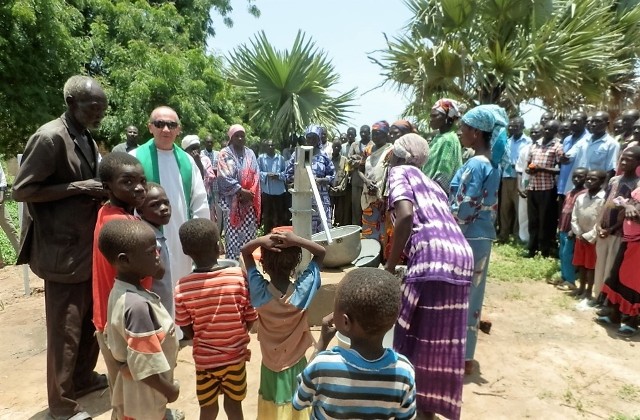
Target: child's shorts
[584,255]
[230,380]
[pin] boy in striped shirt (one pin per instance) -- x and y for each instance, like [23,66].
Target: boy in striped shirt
[213,308]
[367,380]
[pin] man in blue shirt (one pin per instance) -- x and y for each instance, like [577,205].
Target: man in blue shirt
[578,133]
[599,152]
[509,196]
[272,184]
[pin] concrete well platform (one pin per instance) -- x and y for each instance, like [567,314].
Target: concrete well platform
[322,304]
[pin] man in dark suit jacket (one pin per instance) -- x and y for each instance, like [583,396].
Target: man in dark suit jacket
[57,180]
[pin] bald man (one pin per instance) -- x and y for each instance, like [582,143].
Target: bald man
[170,166]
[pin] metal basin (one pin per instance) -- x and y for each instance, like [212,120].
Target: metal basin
[369,255]
[344,248]
[228,263]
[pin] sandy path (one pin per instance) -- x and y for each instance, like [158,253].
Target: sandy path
[544,359]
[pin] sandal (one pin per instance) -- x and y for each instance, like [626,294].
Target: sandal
[566,286]
[626,331]
[174,414]
[605,320]
[82,415]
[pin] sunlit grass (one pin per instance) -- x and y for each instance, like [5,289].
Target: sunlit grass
[508,264]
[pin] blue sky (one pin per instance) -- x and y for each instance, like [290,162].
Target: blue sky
[347,30]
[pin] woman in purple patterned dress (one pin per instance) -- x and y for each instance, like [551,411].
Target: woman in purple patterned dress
[431,329]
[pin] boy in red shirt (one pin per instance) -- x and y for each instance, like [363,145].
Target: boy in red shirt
[123,178]
[213,308]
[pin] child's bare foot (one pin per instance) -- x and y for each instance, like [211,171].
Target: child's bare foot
[469,367]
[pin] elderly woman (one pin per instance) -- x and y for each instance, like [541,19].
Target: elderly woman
[239,188]
[191,145]
[324,173]
[474,200]
[397,130]
[431,328]
[374,178]
[446,153]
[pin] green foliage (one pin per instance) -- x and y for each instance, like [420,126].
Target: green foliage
[8,253]
[288,90]
[40,47]
[567,53]
[145,53]
[507,264]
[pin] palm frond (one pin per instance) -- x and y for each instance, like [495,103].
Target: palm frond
[290,89]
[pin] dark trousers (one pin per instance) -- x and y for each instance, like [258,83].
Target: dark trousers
[274,210]
[348,208]
[561,198]
[341,210]
[543,220]
[356,207]
[72,348]
[508,209]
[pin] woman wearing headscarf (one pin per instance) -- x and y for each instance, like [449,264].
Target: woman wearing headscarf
[399,129]
[239,188]
[474,201]
[446,153]
[374,178]
[431,328]
[191,145]
[323,171]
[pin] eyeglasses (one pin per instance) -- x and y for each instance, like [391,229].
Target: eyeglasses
[171,125]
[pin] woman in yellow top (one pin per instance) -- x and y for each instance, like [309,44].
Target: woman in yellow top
[374,177]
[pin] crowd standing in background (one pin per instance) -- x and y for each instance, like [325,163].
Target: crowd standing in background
[158,217]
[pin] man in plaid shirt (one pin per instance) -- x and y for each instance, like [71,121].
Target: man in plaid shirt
[542,194]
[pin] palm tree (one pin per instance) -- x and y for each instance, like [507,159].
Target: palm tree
[288,90]
[567,53]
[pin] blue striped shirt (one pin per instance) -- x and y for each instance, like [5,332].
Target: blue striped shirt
[272,164]
[341,384]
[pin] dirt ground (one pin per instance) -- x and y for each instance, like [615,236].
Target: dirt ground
[544,359]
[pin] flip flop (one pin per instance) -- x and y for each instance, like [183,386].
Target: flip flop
[626,331]
[174,414]
[604,320]
[82,415]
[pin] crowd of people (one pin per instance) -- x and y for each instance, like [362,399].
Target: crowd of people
[144,271]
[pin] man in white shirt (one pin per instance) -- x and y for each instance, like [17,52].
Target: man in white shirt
[167,164]
[509,196]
